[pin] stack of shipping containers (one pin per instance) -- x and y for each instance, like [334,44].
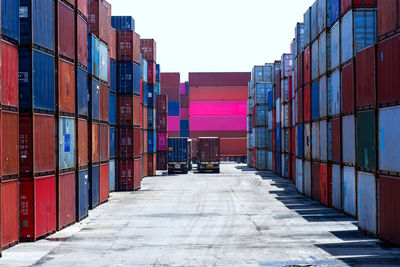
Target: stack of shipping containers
[112,106]
[218,108]
[170,86]
[162,131]
[149,54]
[129,134]
[250,159]
[184,110]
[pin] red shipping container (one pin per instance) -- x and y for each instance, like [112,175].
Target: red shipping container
[66,31]
[125,174]
[171,91]
[300,105]
[145,167]
[326,184]
[336,140]
[162,160]
[185,101]
[293,163]
[9,213]
[128,46]
[138,175]
[219,78]
[233,147]
[136,112]
[83,152]
[152,164]
[293,137]
[170,79]
[315,180]
[113,44]
[149,49]
[348,88]
[66,87]
[125,143]
[37,208]
[104,142]
[138,141]
[220,134]
[104,102]
[104,183]
[83,7]
[346,5]
[151,72]
[126,112]
[144,132]
[274,167]
[389,205]
[174,134]
[300,74]
[387,17]
[307,65]
[307,103]
[9,74]
[98,16]
[273,141]
[161,104]
[37,144]
[95,144]
[218,93]
[144,117]
[82,29]
[65,200]
[366,77]
[71,2]
[9,144]
[388,71]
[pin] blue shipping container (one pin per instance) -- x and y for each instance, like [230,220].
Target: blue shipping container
[270,100]
[184,128]
[307,27]
[173,108]
[315,100]
[151,118]
[300,141]
[66,146]
[94,93]
[158,72]
[112,108]
[94,186]
[82,201]
[145,86]
[82,92]
[112,142]
[278,137]
[177,150]
[37,23]
[111,175]
[279,163]
[128,78]
[113,76]
[314,21]
[93,55]
[144,71]
[36,80]
[334,10]
[103,58]
[150,95]
[151,141]
[123,23]
[10,18]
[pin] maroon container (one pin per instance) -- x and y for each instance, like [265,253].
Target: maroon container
[278,84]
[113,44]
[149,49]
[184,101]
[71,2]
[366,77]
[348,88]
[125,142]
[36,144]
[170,79]
[162,160]
[66,31]
[66,87]
[151,72]
[300,105]
[65,200]
[104,102]
[171,91]
[307,103]
[125,174]
[336,140]
[9,213]
[9,75]
[307,65]
[82,6]
[161,122]
[219,78]
[388,71]
[128,46]
[138,140]
[316,188]
[9,144]
[104,143]
[387,17]
[138,173]
[82,139]
[389,204]
[99,19]
[94,131]
[137,107]
[82,29]
[151,161]
[346,5]
[299,62]
[125,110]
[209,149]
[293,144]
[220,134]
[162,104]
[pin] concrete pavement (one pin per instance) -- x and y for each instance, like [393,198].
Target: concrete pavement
[237,218]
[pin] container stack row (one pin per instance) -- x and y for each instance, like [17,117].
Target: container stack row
[184,110]
[149,57]
[345,59]
[170,86]
[162,132]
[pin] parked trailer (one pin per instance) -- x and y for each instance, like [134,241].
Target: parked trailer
[178,160]
[190,153]
[208,154]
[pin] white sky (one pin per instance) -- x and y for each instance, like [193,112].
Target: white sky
[215,35]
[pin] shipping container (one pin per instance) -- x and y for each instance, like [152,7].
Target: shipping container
[315,178]
[388,17]
[389,146]
[98,24]
[326,184]
[9,144]
[112,173]
[335,10]
[307,141]
[323,141]
[82,194]
[123,23]
[178,155]
[66,87]
[307,181]
[315,100]
[337,190]
[104,182]
[128,78]
[216,93]
[366,133]
[128,46]
[161,104]
[82,93]
[82,142]
[348,88]
[334,93]
[324,52]
[315,60]
[307,27]
[218,79]
[224,108]
[66,145]
[323,97]
[10,26]
[162,160]
[103,102]
[66,200]
[208,153]
[299,175]
[9,213]
[104,143]
[346,5]
[113,76]
[9,75]
[112,109]
[152,141]
[367,201]
[226,123]
[336,143]
[389,201]
[366,78]
[149,49]
[161,122]
[94,186]
[348,139]
[94,139]
[82,6]
[335,46]
[184,128]
[349,191]
[82,40]
[65,30]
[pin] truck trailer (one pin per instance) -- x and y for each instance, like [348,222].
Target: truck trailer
[208,157]
[178,156]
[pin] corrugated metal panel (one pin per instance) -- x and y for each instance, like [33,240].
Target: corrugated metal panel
[366,77]
[334,10]
[387,17]
[324,52]
[66,86]
[337,187]
[323,97]
[66,200]
[300,141]
[82,92]
[389,200]
[10,18]
[315,141]
[348,139]
[9,144]
[324,15]
[94,186]
[307,27]
[366,133]
[9,75]
[82,205]
[9,212]
[112,175]
[315,100]
[323,141]
[315,60]
[316,181]
[389,146]
[269,160]
[307,140]
[66,29]
[335,46]
[314,21]
[123,23]
[299,175]
[334,93]
[367,202]
[66,145]
[307,178]
[349,191]
[348,88]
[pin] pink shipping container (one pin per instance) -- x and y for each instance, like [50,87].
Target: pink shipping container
[219,78]
[9,74]
[183,89]
[218,108]
[66,31]
[231,123]
[162,139]
[173,124]
[184,114]
[218,93]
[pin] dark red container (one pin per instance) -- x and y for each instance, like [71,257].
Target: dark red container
[184,101]
[151,72]
[209,149]
[125,174]
[346,5]
[145,111]
[66,86]
[128,46]
[104,142]
[366,77]
[387,17]
[9,213]
[233,147]
[171,79]
[71,2]
[128,112]
[161,104]
[336,140]
[152,164]
[307,103]
[293,163]
[9,144]
[316,183]
[274,118]
[138,141]
[125,143]
[326,184]
[104,102]
[293,137]
[138,173]
[104,182]
[136,112]
[145,165]
[37,144]
[82,29]
[95,142]
[162,160]
[113,44]
[174,134]
[65,200]
[388,71]
[83,7]
[9,74]
[37,208]
[145,146]
[82,131]
[149,49]
[66,31]
[218,78]
[171,91]
[348,88]
[98,19]
[300,74]
[290,88]
[307,65]
[220,134]
[278,84]
[300,105]
[389,204]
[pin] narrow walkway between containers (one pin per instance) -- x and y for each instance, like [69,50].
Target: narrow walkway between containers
[236,218]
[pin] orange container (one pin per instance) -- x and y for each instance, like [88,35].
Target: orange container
[82,135]
[138,175]
[66,86]
[9,213]
[95,142]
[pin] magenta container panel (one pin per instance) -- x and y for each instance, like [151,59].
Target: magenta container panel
[162,141]
[183,89]
[232,123]
[173,123]
[184,113]
[218,108]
